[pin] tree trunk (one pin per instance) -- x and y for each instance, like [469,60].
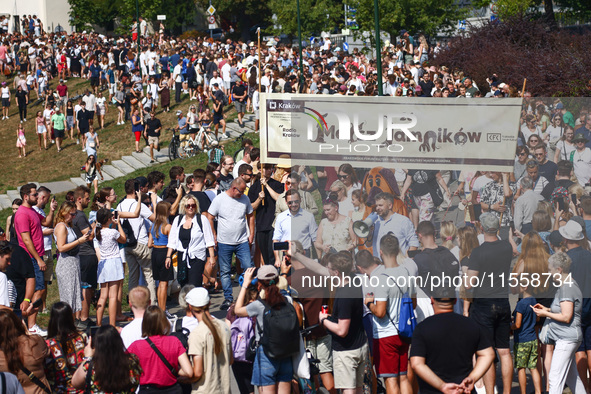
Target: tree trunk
[549,11]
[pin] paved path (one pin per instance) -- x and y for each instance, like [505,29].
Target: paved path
[123,166]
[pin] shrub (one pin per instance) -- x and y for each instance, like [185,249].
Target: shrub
[555,62]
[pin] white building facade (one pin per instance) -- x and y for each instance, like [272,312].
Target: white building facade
[53,13]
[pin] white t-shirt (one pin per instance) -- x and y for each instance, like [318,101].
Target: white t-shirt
[6,92]
[226,72]
[46,238]
[177,71]
[565,150]
[217,80]
[100,101]
[231,214]
[582,165]
[47,113]
[4,290]
[137,224]
[90,101]
[132,332]
[388,291]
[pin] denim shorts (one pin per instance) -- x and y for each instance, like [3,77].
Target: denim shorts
[267,371]
[39,277]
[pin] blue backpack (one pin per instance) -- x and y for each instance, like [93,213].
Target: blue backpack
[241,332]
[407,321]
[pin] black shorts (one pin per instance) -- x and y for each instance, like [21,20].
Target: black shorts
[586,342]
[90,114]
[494,316]
[6,102]
[88,270]
[159,270]
[217,118]
[83,130]
[58,133]
[94,81]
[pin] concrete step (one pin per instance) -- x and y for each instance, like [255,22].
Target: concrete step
[78,181]
[105,175]
[111,170]
[160,157]
[60,186]
[133,162]
[122,166]
[142,157]
[5,202]
[13,194]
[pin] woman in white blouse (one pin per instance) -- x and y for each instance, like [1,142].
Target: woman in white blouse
[192,237]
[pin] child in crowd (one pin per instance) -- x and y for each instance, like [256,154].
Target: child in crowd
[526,342]
[21,141]
[110,267]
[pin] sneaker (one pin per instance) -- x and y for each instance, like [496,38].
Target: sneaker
[79,325]
[151,161]
[226,304]
[7,117]
[158,148]
[78,142]
[36,330]
[53,141]
[87,323]
[25,119]
[169,315]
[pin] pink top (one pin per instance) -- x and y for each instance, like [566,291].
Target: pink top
[155,372]
[28,220]
[40,121]
[3,51]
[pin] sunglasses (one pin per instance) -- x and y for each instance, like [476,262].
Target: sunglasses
[294,202]
[34,194]
[191,206]
[522,154]
[343,176]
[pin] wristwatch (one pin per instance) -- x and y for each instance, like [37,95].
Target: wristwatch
[368,303]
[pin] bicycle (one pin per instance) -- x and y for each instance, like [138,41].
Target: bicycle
[174,145]
[178,149]
[205,137]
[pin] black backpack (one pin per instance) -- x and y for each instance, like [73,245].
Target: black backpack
[181,333]
[128,230]
[280,334]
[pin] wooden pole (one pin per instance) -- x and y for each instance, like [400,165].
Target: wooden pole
[259,56]
[523,89]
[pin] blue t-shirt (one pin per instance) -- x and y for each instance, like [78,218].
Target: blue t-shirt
[183,125]
[527,331]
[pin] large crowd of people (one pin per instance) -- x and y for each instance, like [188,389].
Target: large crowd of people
[320,265]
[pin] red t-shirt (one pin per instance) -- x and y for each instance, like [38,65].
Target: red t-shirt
[62,90]
[155,371]
[28,220]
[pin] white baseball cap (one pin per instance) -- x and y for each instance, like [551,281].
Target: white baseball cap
[197,297]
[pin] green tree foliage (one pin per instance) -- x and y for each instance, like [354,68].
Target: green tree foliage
[416,16]
[316,16]
[105,13]
[148,10]
[245,14]
[82,13]
[575,8]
